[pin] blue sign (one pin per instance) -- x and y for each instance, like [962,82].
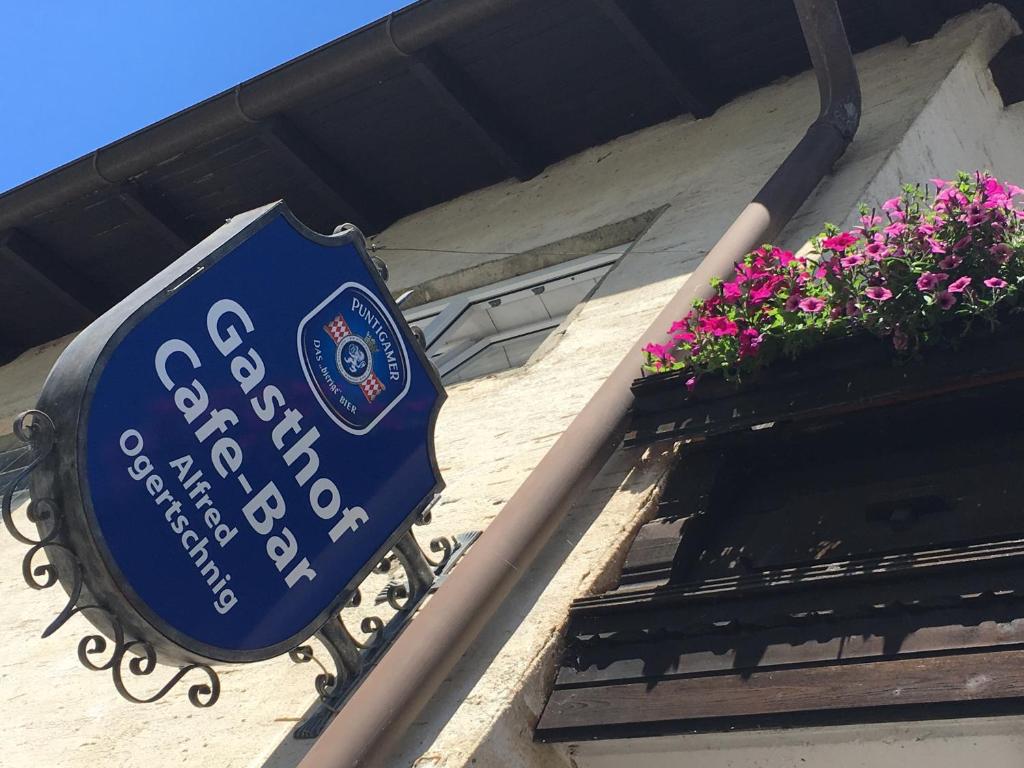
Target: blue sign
[257,432]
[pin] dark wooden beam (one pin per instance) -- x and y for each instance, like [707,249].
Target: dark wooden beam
[1008,71]
[157,218]
[836,693]
[916,20]
[686,87]
[40,298]
[47,278]
[350,199]
[465,102]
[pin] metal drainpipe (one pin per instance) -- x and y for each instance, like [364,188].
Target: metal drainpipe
[404,681]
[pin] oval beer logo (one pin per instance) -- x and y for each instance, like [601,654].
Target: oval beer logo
[354,358]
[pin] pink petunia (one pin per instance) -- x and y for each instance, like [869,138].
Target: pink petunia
[812,304]
[661,351]
[895,229]
[718,326]
[958,285]
[928,281]
[853,260]
[945,299]
[793,302]
[839,242]
[1001,252]
[750,342]
[995,282]
[875,251]
[731,291]
[952,261]
[890,205]
[878,293]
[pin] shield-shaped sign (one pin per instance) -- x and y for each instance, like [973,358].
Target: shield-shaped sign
[241,439]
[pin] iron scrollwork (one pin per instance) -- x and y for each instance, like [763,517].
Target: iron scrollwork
[353,657]
[49,561]
[128,658]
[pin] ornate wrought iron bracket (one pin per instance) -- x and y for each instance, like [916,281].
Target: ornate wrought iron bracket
[128,657]
[113,649]
[352,659]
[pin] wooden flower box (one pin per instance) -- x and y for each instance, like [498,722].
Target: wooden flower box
[843,376]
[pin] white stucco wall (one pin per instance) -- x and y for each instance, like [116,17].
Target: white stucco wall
[493,431]
[996,742]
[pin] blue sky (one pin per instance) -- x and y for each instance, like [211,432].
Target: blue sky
[76,75]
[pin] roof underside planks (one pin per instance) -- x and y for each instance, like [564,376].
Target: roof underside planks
[524,85]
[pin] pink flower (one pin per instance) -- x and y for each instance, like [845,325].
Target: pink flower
[935,246]
[718,326]
[852,309]
[812,304]
[750,342]
[939,183]
[875,251]
[945,299]
[962,242]
[890,205]
[994,283]
[691,383]
[870,220]
[878,293]
[951,262]
[793,302]
[1002,252]
[731,291]
[895,229]
[927,281]
[975,215]
[958,285]
[785,257]
[839,242]
[853,260]
[660,351]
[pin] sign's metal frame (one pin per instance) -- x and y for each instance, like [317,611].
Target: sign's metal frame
[62,512]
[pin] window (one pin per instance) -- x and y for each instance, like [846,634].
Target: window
[500,326]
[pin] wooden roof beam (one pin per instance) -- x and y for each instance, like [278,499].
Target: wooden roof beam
[31,269]
[643,40]
[350,200]
[916,20]
[166,225]
[1008,71]
[452,91]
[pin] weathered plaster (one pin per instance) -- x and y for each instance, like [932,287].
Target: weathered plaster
[494,430]
[996,742]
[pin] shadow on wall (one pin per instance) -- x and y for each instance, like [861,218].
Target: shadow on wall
[624,473]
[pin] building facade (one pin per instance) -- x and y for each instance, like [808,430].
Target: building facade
[555,276]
